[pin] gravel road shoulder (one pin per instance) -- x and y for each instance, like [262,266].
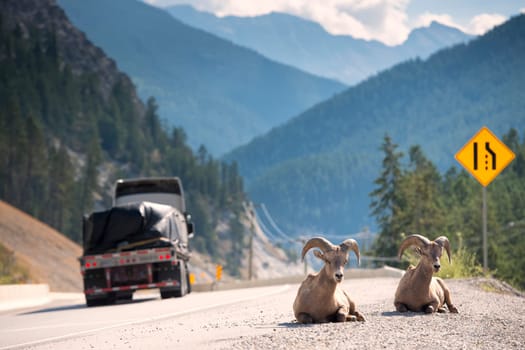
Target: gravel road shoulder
[492,316]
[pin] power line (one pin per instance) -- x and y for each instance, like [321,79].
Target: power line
[379,258]
[269,233]
[272,222]
[358,235]
[264,228]
[278,232]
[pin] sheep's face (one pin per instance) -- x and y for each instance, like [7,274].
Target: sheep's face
[431,255]
[335,261]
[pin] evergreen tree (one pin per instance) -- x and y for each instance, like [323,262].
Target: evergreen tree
[153,124]
[60,189]
[34,177]
[59,126]
[422,208]
[237,239]
[385,203]
[421,201]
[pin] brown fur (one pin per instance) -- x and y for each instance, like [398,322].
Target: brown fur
[418,290]
[320,297]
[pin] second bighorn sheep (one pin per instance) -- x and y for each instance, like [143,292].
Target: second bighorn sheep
[418,290]
[320,297]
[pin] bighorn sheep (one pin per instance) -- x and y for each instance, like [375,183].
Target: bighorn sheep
[418,290]
[320,297]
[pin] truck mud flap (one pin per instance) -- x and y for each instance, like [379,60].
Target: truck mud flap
[101,299]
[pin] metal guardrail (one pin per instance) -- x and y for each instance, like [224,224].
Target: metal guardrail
[385,271]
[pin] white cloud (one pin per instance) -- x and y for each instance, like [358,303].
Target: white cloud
[478,25]
[485,22]
[383,20]
[425,19]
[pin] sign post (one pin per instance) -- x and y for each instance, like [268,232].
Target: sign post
[484,156]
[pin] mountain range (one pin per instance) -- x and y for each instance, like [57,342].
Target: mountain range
[71,124]
[315,172]
[225,90]
[306,45]
[220,93]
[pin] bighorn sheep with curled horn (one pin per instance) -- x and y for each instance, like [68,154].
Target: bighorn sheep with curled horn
[418,290]
[320,297]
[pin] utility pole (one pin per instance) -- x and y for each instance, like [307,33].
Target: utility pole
[303,242]
[250,256]
[367,244]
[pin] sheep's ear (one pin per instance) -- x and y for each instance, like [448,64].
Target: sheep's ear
[319,254]
[418,251]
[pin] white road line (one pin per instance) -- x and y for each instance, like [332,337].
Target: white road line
[59,325]
[148,319]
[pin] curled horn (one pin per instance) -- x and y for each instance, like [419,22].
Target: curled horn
[443,242]
[317,242]
[352,245]
[417,240]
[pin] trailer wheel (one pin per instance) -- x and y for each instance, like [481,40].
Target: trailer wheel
[188,280]
[184,282]
[183,277]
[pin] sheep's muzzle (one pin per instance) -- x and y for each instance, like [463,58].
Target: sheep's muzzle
[338,276]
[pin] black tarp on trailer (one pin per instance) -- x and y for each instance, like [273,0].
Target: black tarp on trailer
[156,225]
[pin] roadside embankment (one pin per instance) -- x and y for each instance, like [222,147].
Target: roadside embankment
[14,296]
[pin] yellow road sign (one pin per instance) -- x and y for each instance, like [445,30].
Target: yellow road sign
[218,272]
[484,156]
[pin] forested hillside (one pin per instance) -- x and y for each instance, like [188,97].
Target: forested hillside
[315,172]
[220,93]
[411,196]
[71,124]
[306,45]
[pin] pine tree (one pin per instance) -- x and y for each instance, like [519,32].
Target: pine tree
[385,200]
[60,190]
[422,210]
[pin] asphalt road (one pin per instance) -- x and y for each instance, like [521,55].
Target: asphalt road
[69,324]
[262,318]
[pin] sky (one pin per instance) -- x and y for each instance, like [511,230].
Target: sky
[389,21]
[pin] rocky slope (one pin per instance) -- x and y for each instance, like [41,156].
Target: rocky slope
[52,258]
[73,46]
[49,256]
